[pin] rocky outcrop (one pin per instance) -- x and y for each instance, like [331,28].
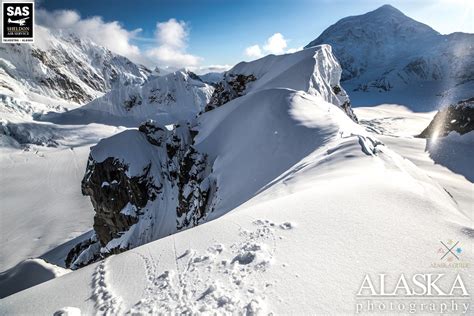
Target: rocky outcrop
[458,117]
[169,187]
[230,87]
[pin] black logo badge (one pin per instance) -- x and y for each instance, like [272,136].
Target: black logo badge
[18,22]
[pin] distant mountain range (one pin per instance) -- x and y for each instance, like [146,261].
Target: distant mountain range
[60,71]
[389,57]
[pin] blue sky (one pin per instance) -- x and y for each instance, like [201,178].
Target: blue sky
[218,32]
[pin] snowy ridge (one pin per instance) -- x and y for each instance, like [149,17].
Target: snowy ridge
[173,177]
[314,70]
[170,98]
[386,51]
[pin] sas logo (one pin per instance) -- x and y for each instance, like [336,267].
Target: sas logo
[18,22]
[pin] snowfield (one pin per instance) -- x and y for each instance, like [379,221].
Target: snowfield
[303,244]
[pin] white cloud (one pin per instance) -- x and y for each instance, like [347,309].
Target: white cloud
[210,68]
[172,37]
[109,34]
[275,44]
[254,51]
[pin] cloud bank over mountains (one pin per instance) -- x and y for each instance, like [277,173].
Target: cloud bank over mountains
[168,49]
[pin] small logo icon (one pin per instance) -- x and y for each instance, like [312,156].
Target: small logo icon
[450,250]
[18,22]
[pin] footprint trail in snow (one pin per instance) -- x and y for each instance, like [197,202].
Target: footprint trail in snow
[227,280]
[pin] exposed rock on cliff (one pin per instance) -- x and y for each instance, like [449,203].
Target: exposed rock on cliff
[144,192]
[457,117]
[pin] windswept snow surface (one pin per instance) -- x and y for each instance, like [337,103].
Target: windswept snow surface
[314,70]
[335,205]
[447,160]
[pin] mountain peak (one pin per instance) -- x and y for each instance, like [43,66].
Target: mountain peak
[387,8]
[383,24]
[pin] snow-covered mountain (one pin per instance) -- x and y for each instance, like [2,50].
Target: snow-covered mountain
[313,71]
[406,61]
[168,98]
[60,70]
[168,178]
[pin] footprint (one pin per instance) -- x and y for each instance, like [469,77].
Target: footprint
[286,226]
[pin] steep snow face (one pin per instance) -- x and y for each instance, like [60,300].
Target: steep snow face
[62,67]
[167,99]
[314,71]
[386,51]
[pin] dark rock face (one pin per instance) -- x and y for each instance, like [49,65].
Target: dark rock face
[458,117]
[61,83]
[110,191]
[231,87]
[132,102]
[346,106]
[176,184]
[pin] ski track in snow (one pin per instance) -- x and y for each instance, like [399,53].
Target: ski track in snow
[219,279]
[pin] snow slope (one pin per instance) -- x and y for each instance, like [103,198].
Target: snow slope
[447,160]
[42,204]
[388,57]
[302,245]
[173,97]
